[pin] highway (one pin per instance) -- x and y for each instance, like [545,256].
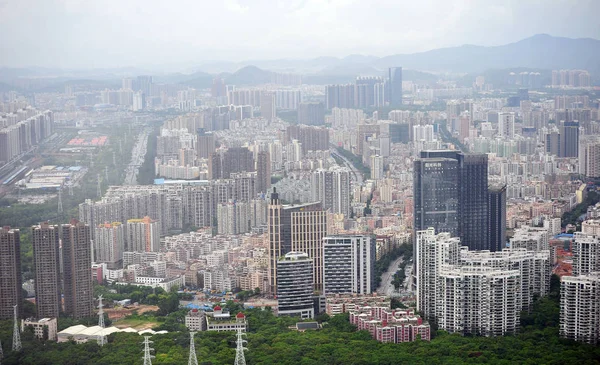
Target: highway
[357,176]
[137,157]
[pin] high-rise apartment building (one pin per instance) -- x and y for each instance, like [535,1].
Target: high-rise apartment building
[395,86]
[109,244]
[205,144]
[295,285]
[451,195]
[263,172]
[339,96]
[279,224]
[236,159]
[332,188]
[77,261]
[586,253]
[143,235]
[267,106]
[569,139]
[497,218]
[348,264]
[376,167]
[46,259]
[580,308]
[311,113]
[11,293]
[589,156]
[311,138]
[308,229]
[506,125]
[144,85]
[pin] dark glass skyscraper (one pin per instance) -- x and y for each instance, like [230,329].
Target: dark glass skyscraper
[395,88]
[497,211]
[451,195]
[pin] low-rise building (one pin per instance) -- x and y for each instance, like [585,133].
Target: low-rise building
[391,325]
[45,328]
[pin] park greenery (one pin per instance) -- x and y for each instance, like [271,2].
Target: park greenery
[572,216]
[272,341]
[355,160]
[147,173]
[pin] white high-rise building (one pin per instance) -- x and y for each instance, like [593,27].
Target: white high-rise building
[109,244]
[530,238]
[506,125]
[332,188]
[552,225]
[591,226]
[432,252]
[580,308]
[295,285]
[232,218]
[589,156]
[423,133]
[348,264]
[586,253]
[479,300]
[377,167]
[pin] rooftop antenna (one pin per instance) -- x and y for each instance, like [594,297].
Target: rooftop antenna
[16,345]
[240,359]
[192,360]
[147,349]
[102,338]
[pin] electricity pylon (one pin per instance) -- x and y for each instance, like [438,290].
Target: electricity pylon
[192,359]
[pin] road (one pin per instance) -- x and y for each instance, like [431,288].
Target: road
[357,176]
[386,287]
[137,157]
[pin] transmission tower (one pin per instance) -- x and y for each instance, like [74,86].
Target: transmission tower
[114,159]
[102,338]
[240,359]
[60,206]
[1,353]
[192,360]
[16,345]
[99,188]
[147,349]
[106,174]
[91,160]
[70,185]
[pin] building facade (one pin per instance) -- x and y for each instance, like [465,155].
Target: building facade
[348,264]
[295,285]
[46,258]
[11,293]
[77,261]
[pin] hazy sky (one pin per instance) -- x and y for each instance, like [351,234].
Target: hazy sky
[107,33]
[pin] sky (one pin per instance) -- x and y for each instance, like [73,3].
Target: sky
[156,33]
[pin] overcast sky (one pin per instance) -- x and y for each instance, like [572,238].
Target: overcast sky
[144,33]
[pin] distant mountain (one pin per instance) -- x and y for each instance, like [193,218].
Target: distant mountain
[249,75]
[541,51]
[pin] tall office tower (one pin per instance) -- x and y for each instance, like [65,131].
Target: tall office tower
[376,167]
[312,138]
[339,96]
[569,139]
[263,172]
[431,253]
[236,159]
[205,144]
[308,229]
[144,85]
[580,308]
[77,262]
[451,195]
[143,235]
[46,258]
[398,132]
[127,83]
[506,125]
[219,88]
[311,113]
[395,86]
[280,231]
[295,285]
[109,244]
[364,95]
[497,219]
[586,253]
[11,293]
[589,156]
[348,264]
[267,106]
[332,188]
[478,300]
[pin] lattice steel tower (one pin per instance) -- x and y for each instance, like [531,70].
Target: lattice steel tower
[240,359]
[147,351]
[192,360]
[16,346]
[102,338]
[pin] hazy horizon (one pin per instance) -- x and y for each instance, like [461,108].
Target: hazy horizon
[83,35]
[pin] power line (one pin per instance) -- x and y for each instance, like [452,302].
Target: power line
[147,351]
[240,359]
[60,204]
[101,338]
